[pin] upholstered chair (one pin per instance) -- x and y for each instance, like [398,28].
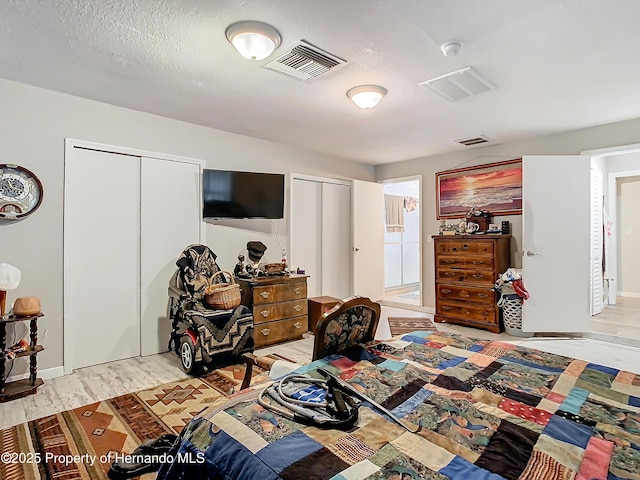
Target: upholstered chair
[351,322]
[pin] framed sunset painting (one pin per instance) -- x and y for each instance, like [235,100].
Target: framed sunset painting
[494,187]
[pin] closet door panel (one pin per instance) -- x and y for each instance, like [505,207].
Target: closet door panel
[306,232]
[336,240]
[101,257]
[170,221]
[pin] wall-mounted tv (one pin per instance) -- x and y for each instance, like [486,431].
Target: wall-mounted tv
[229,194]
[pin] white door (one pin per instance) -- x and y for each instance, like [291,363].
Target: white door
[368,239]
[597,242]
[101,257]
[336,240]
[556,243]
[170,220]
[306,232]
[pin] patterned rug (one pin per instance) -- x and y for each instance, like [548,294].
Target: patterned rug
[402,325]
[77,444]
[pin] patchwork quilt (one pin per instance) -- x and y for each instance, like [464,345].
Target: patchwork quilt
[487,410]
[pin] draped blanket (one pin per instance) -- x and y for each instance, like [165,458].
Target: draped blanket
[487,410]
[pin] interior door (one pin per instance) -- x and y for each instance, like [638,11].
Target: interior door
[556,243]
[336,240]
[306,232]
[101,257]
[597,242]
[169,223]
[368,239]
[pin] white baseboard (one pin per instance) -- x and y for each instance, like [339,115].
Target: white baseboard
[629,294]
[45,374]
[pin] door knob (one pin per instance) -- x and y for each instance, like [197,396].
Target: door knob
[529,253]
[356,249]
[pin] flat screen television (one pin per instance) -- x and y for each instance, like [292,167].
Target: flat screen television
[229,194]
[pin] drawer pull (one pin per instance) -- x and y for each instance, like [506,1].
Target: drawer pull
[264,294]
[464,295]
[445,290]
[449,274]
[448,261]
[446,308]
[265,313]
[297,291]
[465,247]
[478,262]
[265,331]
[297,308]
[467,312]
[483,295]
[297,324]
[478,275]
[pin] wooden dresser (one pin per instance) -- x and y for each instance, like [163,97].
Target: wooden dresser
[279,306]
[466,268]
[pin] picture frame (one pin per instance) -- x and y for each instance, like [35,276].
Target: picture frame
[493,187]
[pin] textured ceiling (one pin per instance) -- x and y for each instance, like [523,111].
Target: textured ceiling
[559,65]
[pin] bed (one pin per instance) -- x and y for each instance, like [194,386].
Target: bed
[487,410]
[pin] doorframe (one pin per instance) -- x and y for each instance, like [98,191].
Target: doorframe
[69,145]
[612,208]
[414,178]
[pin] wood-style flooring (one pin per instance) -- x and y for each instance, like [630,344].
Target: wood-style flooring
[620,320]
[100,382]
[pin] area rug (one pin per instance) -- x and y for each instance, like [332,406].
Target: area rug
[82,443]
[402,325]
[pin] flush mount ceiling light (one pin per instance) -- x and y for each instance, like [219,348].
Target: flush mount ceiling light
[253,40]
[367,96]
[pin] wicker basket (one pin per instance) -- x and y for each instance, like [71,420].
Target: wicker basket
[223,296]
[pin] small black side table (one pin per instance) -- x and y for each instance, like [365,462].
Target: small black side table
[20,388]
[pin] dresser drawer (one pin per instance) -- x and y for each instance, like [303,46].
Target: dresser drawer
[468,262]
[279,293]
[476,313]
[279,331]
[465,247]
[479,277]
[465,293]
[269,312]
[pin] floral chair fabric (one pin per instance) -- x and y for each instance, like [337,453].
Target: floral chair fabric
[220,332]
[351,322]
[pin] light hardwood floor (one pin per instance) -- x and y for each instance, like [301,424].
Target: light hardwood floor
[621,320]
[100,382]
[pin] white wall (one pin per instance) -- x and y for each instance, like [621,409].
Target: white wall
[567,143]
[629,236]
[35,123]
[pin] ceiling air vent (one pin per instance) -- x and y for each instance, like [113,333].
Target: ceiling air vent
[470,142]
[305,62]
[463,83]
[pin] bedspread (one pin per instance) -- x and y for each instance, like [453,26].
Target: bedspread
[487,410]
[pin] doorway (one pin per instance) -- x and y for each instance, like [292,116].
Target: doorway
[402,242]
[620,315]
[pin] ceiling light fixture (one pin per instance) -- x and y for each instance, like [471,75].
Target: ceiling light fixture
[367,96]
[253,40]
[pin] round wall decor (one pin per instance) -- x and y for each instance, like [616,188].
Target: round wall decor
[20,192]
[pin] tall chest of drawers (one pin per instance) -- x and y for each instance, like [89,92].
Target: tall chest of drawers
[466,267]
[279,307]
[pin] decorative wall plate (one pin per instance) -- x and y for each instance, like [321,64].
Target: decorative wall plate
[20,191]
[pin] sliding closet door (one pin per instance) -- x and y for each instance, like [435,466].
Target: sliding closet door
[170,220]
[101,257]
[306,232]
[336,240]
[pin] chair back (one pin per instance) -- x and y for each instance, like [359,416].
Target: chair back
[196,267]
[352,321]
